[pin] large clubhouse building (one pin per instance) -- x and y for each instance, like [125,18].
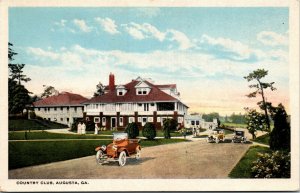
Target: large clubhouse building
[138,101]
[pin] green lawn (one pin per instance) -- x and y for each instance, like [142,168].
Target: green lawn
[264,139]
[237,125]
[47,135]
[29,153]
[243,168]
[26,124]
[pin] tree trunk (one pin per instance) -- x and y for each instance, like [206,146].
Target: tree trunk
[253,136]
[264,106]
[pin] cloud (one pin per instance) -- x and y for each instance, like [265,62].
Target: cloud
[271,38]
[42,53]
[179,37]
[61,23]
[108,25]
[143,31]
[81,24]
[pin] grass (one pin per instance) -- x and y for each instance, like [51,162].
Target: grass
[264,139]
[201,136]
[30,153]
[26,124]
[48,135]
[237,125]
[243,168]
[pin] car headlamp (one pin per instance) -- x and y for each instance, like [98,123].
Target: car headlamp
[103,147]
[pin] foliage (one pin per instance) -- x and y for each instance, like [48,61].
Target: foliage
[90,125]
[167,128]
[280,137]
[243,167]
[36,124]
[49,91]
[18,95]
[149,131]
[211,116]
[260,87]
[255,122]
[173,125]
[100,89]
[272,165]
[133,130]
[235,118]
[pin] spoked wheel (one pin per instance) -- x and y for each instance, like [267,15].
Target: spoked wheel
[100,157]
[122,158]
[217,140]
[138,153]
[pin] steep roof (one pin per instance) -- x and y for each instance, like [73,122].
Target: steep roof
[154,95]
[62,99]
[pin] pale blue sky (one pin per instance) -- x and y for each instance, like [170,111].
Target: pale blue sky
[208,49]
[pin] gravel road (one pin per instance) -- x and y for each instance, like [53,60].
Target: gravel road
[193,160]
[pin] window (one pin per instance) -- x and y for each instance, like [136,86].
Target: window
[152,104]
[146,107]
[139,92]
[49,119]
[97,119]
[67,108]
[75,109]
[55,108]
[144,119]
[67,119]
[82,108]
[192,122]
[121,121]
[140,104]
[150,119]
[165,106]
[144,92]
[39,109]
[61,119]
[120,93]
[197,122]
[131,119]
[103,120]
[97,106]
[48,109]
[61,108]
[87,118]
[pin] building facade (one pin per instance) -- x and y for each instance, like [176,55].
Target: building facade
[62,108]
[138,101]
[196,121]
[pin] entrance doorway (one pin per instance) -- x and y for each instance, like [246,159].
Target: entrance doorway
[113,122]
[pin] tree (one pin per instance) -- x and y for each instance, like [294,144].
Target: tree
[167,128]
[100,89]
[149,131]
[211,116]
[260,87]
[49,91]
[255,121]
[18,95]
[280,137]
[133,130]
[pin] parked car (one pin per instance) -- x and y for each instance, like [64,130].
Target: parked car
[216,135]
[118,150]
[239,137]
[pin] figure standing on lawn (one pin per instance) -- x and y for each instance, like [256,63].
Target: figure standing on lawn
[96,128]
[79,128]
[83,128]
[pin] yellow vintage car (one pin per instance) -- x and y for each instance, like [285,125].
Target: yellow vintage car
[216,135]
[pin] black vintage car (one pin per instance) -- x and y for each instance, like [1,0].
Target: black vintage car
[239,137]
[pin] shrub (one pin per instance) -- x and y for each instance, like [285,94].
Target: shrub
[90,125]
[149,131]
[280,137]
[133,130]
[167,128]
[275,165]
[173,124]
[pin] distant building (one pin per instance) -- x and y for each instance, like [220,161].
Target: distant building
[138,101]
[196,121]
[63,108]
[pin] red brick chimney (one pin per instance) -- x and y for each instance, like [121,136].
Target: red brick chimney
[111,85]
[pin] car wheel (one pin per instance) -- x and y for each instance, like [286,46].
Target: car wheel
[99,157]
[138,153]
[217,140]
[122,158]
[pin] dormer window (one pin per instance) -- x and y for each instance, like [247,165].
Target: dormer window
[142,88]
[143,91]
[121,90]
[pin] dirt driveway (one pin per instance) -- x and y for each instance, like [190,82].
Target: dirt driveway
[194,159]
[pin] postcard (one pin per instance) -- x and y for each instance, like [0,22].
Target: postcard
[149,95]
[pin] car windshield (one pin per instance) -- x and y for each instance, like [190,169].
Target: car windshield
[120,136]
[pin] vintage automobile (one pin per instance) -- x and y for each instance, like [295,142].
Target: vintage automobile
[216,135]
[239,137]
[118,150]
